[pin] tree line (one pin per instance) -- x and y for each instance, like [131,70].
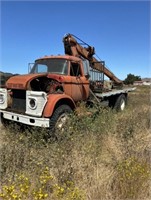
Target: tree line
[131,78]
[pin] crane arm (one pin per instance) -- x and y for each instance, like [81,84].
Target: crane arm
[72,47]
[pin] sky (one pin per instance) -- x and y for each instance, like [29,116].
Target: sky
[119,31]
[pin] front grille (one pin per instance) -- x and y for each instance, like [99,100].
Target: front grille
[19,101]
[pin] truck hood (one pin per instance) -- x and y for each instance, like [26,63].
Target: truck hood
[22,81]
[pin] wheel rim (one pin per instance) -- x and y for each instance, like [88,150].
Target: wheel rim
[122,105]
[61,122]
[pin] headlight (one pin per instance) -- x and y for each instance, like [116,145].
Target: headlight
[2,99]
[32,103]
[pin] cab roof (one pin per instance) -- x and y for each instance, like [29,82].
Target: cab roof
[67,57]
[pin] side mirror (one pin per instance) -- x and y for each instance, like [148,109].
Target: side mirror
[30,66]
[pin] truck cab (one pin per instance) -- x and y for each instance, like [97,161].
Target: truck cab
[69,74]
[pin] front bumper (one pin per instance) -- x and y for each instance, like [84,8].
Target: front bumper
[25,119]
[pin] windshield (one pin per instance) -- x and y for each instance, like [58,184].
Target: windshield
[53,65]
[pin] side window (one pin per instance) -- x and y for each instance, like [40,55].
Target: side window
[75,69]
[86,67]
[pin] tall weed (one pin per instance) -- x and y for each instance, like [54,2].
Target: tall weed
[100,155]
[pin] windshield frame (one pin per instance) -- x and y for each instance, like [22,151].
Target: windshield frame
[51,65]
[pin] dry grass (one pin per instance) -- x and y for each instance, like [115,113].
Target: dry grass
[99,157]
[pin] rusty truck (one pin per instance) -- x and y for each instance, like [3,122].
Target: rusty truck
[56,84]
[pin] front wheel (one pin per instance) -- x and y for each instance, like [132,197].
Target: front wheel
[59,118]
[4,122]
[120,103]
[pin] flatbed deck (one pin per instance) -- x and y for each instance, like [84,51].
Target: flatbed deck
[114,92]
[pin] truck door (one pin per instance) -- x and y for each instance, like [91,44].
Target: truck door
[79,82]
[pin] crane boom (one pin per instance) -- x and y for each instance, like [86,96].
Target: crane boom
[72,47]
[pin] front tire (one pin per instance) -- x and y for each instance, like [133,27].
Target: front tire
[59,118]
[4,122]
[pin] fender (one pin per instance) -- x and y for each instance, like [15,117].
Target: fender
[56,99]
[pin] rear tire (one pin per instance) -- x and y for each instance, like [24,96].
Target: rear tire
[120,103]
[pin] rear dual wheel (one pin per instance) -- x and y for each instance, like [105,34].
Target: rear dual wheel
[120,103]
